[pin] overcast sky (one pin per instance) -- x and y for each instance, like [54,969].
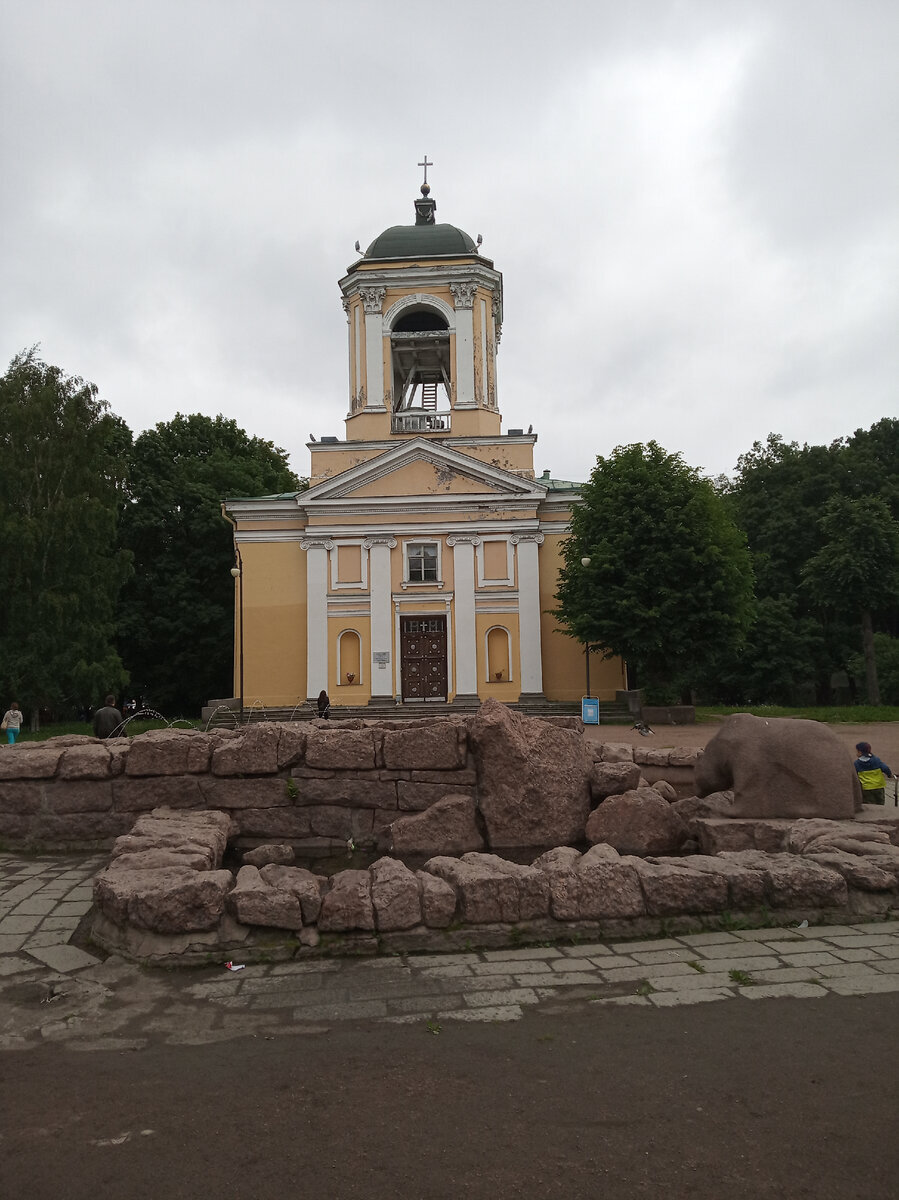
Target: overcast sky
[694,206]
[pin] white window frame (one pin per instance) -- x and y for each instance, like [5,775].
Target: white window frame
[483,581]
[422,583]
[363,566]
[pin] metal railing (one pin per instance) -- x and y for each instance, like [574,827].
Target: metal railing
[419,420]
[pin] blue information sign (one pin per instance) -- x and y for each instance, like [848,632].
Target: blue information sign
[590,710]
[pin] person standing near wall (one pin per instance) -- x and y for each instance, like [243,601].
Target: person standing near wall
[12,721]
[871,771]
[107,720]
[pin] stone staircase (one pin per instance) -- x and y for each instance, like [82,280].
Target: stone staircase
[610,712]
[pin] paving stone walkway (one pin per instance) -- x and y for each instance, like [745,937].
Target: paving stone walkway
[51,990]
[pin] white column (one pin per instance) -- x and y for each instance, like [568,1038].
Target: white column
[372,299]
[529,643]
[379,549]
[316,614]
[463,297]
[463,598]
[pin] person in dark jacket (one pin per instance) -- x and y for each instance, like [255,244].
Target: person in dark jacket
[107,721]
[324,705]
[871,771]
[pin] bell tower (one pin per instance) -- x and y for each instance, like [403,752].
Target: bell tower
[424,309]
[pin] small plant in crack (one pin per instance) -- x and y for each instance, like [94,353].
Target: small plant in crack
[742,978]
[433,1027]
[292,790]
[644,988]
[696,965]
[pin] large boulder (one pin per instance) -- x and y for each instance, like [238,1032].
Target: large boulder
[672,887]
[792,881]
[448,827]
[533,778]
[779,767]
[348,904]
[485,895]
[612,779]
[531,883]
[278,852]
[395,895]
[168,900]
[253,901]
[307,887]
[438,900]
[639,822]
[609,886]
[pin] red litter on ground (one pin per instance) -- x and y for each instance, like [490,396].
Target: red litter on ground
[231,966]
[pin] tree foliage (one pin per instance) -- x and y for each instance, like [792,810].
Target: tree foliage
[176,626]
[856,571]
[778,496]
[62,456]
[669,582]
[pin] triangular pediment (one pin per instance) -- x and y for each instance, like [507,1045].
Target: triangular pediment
[421,468]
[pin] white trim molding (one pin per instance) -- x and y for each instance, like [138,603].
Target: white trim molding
[416,301]
[509,579]
[358,585]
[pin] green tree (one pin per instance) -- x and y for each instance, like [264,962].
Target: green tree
[669,582]
[177,615]
[856,571]
[62,455]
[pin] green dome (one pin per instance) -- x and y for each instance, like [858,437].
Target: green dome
[420,241]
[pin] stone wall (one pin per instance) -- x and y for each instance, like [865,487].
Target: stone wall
[314,784]
[166,897]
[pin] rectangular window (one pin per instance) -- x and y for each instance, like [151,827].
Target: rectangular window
[422,560]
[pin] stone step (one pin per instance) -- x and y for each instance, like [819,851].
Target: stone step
[609,712]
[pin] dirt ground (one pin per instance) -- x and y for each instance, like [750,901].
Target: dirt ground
[884,737]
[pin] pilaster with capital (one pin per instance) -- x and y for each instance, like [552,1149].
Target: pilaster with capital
[372,301]
[466,634]
[463,301]
[530,648]
[379,547]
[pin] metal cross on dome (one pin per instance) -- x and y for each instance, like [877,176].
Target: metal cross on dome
[426,164]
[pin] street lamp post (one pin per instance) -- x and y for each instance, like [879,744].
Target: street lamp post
[585,562]
[237,575]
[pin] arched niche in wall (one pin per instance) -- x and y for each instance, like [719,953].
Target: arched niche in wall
[349,658]
[499,655]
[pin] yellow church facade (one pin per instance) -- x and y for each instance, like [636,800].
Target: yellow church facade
[421,564]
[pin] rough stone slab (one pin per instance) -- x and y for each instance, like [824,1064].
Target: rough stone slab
[630,974]
[799,991]
[64,958]
[864,986]
[169,752]
[348,1010]
[441,746]
[689,983]
[259,792]
[29,761]
[551,982]
[253,752]
[524,954]
[761,963]
[847,971]
[746,950]
[141,795]
[810,960]
[623,1001]
[710,939]
[679,999]
[91,761]
[12,965]
[340,748]
[783,975]
[361,793]
[499,1012]
[650,958]
[524,995]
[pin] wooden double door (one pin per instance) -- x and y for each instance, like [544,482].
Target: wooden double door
[423,658]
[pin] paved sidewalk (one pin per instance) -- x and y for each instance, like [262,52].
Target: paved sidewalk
[53,991]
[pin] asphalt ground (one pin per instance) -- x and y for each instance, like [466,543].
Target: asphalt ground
[782,1098]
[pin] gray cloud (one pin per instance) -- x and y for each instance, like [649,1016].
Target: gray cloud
[694,206]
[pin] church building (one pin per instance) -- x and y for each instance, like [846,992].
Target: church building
[421,564]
